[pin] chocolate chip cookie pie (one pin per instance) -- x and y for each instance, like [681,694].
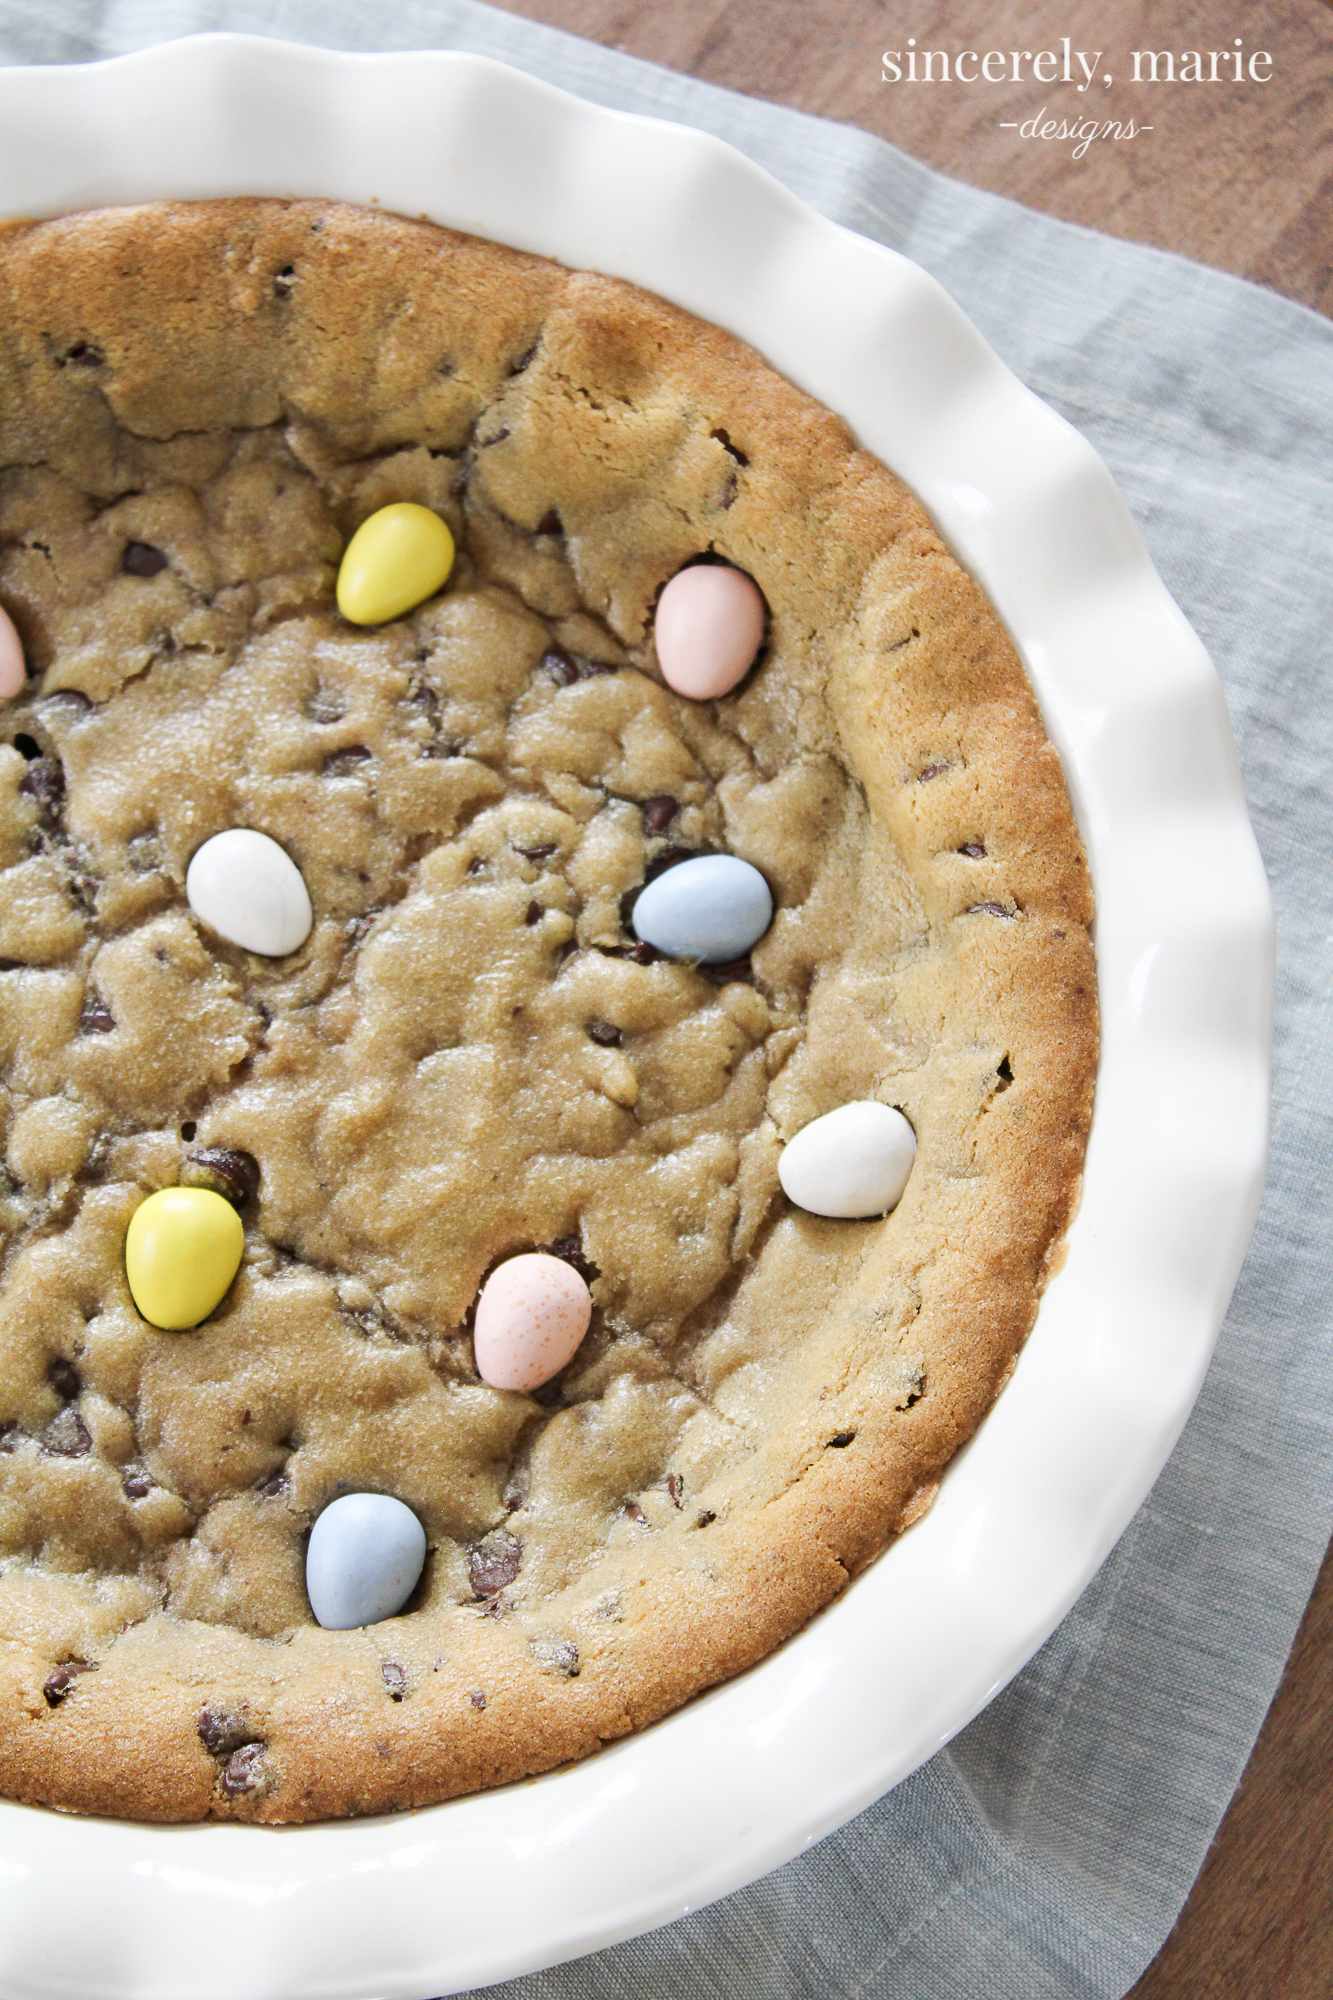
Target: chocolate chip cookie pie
[280,1539]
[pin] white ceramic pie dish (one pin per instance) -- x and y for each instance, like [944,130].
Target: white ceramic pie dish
[442,1900]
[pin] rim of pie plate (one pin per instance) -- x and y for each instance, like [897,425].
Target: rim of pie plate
[459,1895]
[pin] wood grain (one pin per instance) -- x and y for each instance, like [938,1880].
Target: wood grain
[1259,1922]
[1235,175]
[1239,176]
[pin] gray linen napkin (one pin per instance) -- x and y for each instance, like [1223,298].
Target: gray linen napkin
[1048,1850]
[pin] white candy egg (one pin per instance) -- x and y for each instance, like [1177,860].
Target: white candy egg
[366,1554]
[854,1161]
[250,891]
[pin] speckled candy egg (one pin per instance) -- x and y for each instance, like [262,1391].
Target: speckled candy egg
[250,891]
[854,1161]
[708,628]
[713,909]
[532,1314]
[13,673]
[366,1555]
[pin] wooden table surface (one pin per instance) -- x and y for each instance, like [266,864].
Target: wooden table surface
[1237,175]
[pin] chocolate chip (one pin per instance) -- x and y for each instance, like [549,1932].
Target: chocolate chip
[535,912]
[541,853]
[395,1679]
[974,850]
[144,852]
[564,669]
[142,559]
[493,1562]
[496,437]
[603,1034]
[495,1607]
[346,763]
[222,1730]
[64,1378]
[44,781]
[634,1512]
[931,771]
[550,523]
[83,892]
[476,864]
[282,288]
[638,954]
[270,1488]
[727,975]
[232,1174]
[570,1251]
[990,910]
[324,706]
[675,1486]
[241,1772]
[82,355]
[67,1435]
[96,1018]
[557,1656]
[136,1483]
[706,1519]
[667,857]
[65,705]
[60,1680]
[732,451]
[840,1440]
[659,811]
[477,1698]
[558,667]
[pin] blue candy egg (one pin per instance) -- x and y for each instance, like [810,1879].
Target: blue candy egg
[366,1554]
[712,908]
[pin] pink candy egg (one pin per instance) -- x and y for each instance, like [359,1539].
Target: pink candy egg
[531,1316]
[13,673]
[709,626]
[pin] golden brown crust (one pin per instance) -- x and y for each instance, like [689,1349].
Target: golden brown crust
[767,1397]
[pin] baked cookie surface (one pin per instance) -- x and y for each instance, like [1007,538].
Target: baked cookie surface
[470,1056]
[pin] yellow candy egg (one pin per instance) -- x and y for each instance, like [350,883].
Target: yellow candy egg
[397,558]
[182,1250]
